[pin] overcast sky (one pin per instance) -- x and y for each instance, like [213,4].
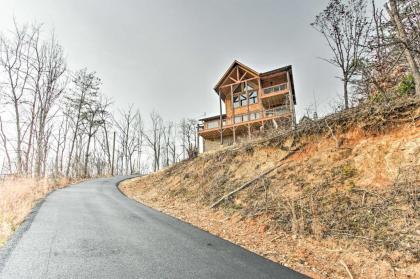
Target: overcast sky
[168,54]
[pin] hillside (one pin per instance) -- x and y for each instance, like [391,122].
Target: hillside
[340,197]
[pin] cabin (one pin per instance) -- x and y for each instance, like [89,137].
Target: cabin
[249,102]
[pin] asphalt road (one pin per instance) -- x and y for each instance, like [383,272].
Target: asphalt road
[91,230]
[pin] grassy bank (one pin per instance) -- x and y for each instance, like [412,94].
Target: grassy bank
[17,198]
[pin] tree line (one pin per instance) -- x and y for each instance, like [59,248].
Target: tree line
[377,53]
[57,122]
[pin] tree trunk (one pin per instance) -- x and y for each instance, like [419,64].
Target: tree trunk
[19,140]
[394,14]
[346,94]
[31,131]
[6,150]
[85,169]
[76,130]
[40,144]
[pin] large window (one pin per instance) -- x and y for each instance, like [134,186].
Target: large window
[213,124]
[238,119]
[241,118]
[236,101]
[243,100]
[240,100]
[253,97]
[254,115]
[244,93]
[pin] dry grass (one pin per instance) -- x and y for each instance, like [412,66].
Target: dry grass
[18,196]
[330,210]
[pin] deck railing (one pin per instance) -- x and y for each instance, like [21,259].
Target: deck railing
[275,88]
[243,118]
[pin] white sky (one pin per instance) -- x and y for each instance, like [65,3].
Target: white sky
[168,54]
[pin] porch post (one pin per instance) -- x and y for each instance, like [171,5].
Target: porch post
[221,118]
[247,102]
[291,104]
[233,114]
[198,138]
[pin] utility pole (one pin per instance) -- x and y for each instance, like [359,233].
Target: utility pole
[113,154]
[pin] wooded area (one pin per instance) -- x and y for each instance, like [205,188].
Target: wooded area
[56,122]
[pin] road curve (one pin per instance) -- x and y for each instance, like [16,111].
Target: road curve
[91,230]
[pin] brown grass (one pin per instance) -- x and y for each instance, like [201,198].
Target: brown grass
[17,198]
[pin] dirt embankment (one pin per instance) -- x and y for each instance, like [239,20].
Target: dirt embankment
[343,204]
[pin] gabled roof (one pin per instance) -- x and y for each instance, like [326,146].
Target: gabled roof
[261,75]
[233,65]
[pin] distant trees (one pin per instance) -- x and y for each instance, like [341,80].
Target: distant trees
[188,133]
[130,131]
[345,27]
[154,138]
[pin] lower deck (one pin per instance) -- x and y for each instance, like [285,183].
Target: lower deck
[232,133]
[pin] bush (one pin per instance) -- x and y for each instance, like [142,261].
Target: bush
[406,86]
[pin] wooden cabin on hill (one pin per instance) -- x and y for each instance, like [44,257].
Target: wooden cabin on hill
[253,102]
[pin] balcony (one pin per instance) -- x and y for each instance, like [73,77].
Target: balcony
[242,119]
[275,89]
[274,95]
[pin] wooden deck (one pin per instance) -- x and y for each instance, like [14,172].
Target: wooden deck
[228,127]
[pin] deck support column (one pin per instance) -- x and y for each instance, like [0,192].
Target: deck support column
[221,118]
[233,113]
[247,102]
[291,103]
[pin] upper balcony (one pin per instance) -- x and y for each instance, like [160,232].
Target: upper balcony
[274,95]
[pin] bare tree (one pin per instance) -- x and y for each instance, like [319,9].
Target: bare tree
[188,133]
[154,138]
[13,61]
[345,27]
[86,87]
[4,141]
[393,9]
[92,120]
[48,84]
[167,137]
[107,124]
[139,134]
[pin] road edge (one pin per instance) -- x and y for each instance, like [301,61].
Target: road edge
[10,244]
